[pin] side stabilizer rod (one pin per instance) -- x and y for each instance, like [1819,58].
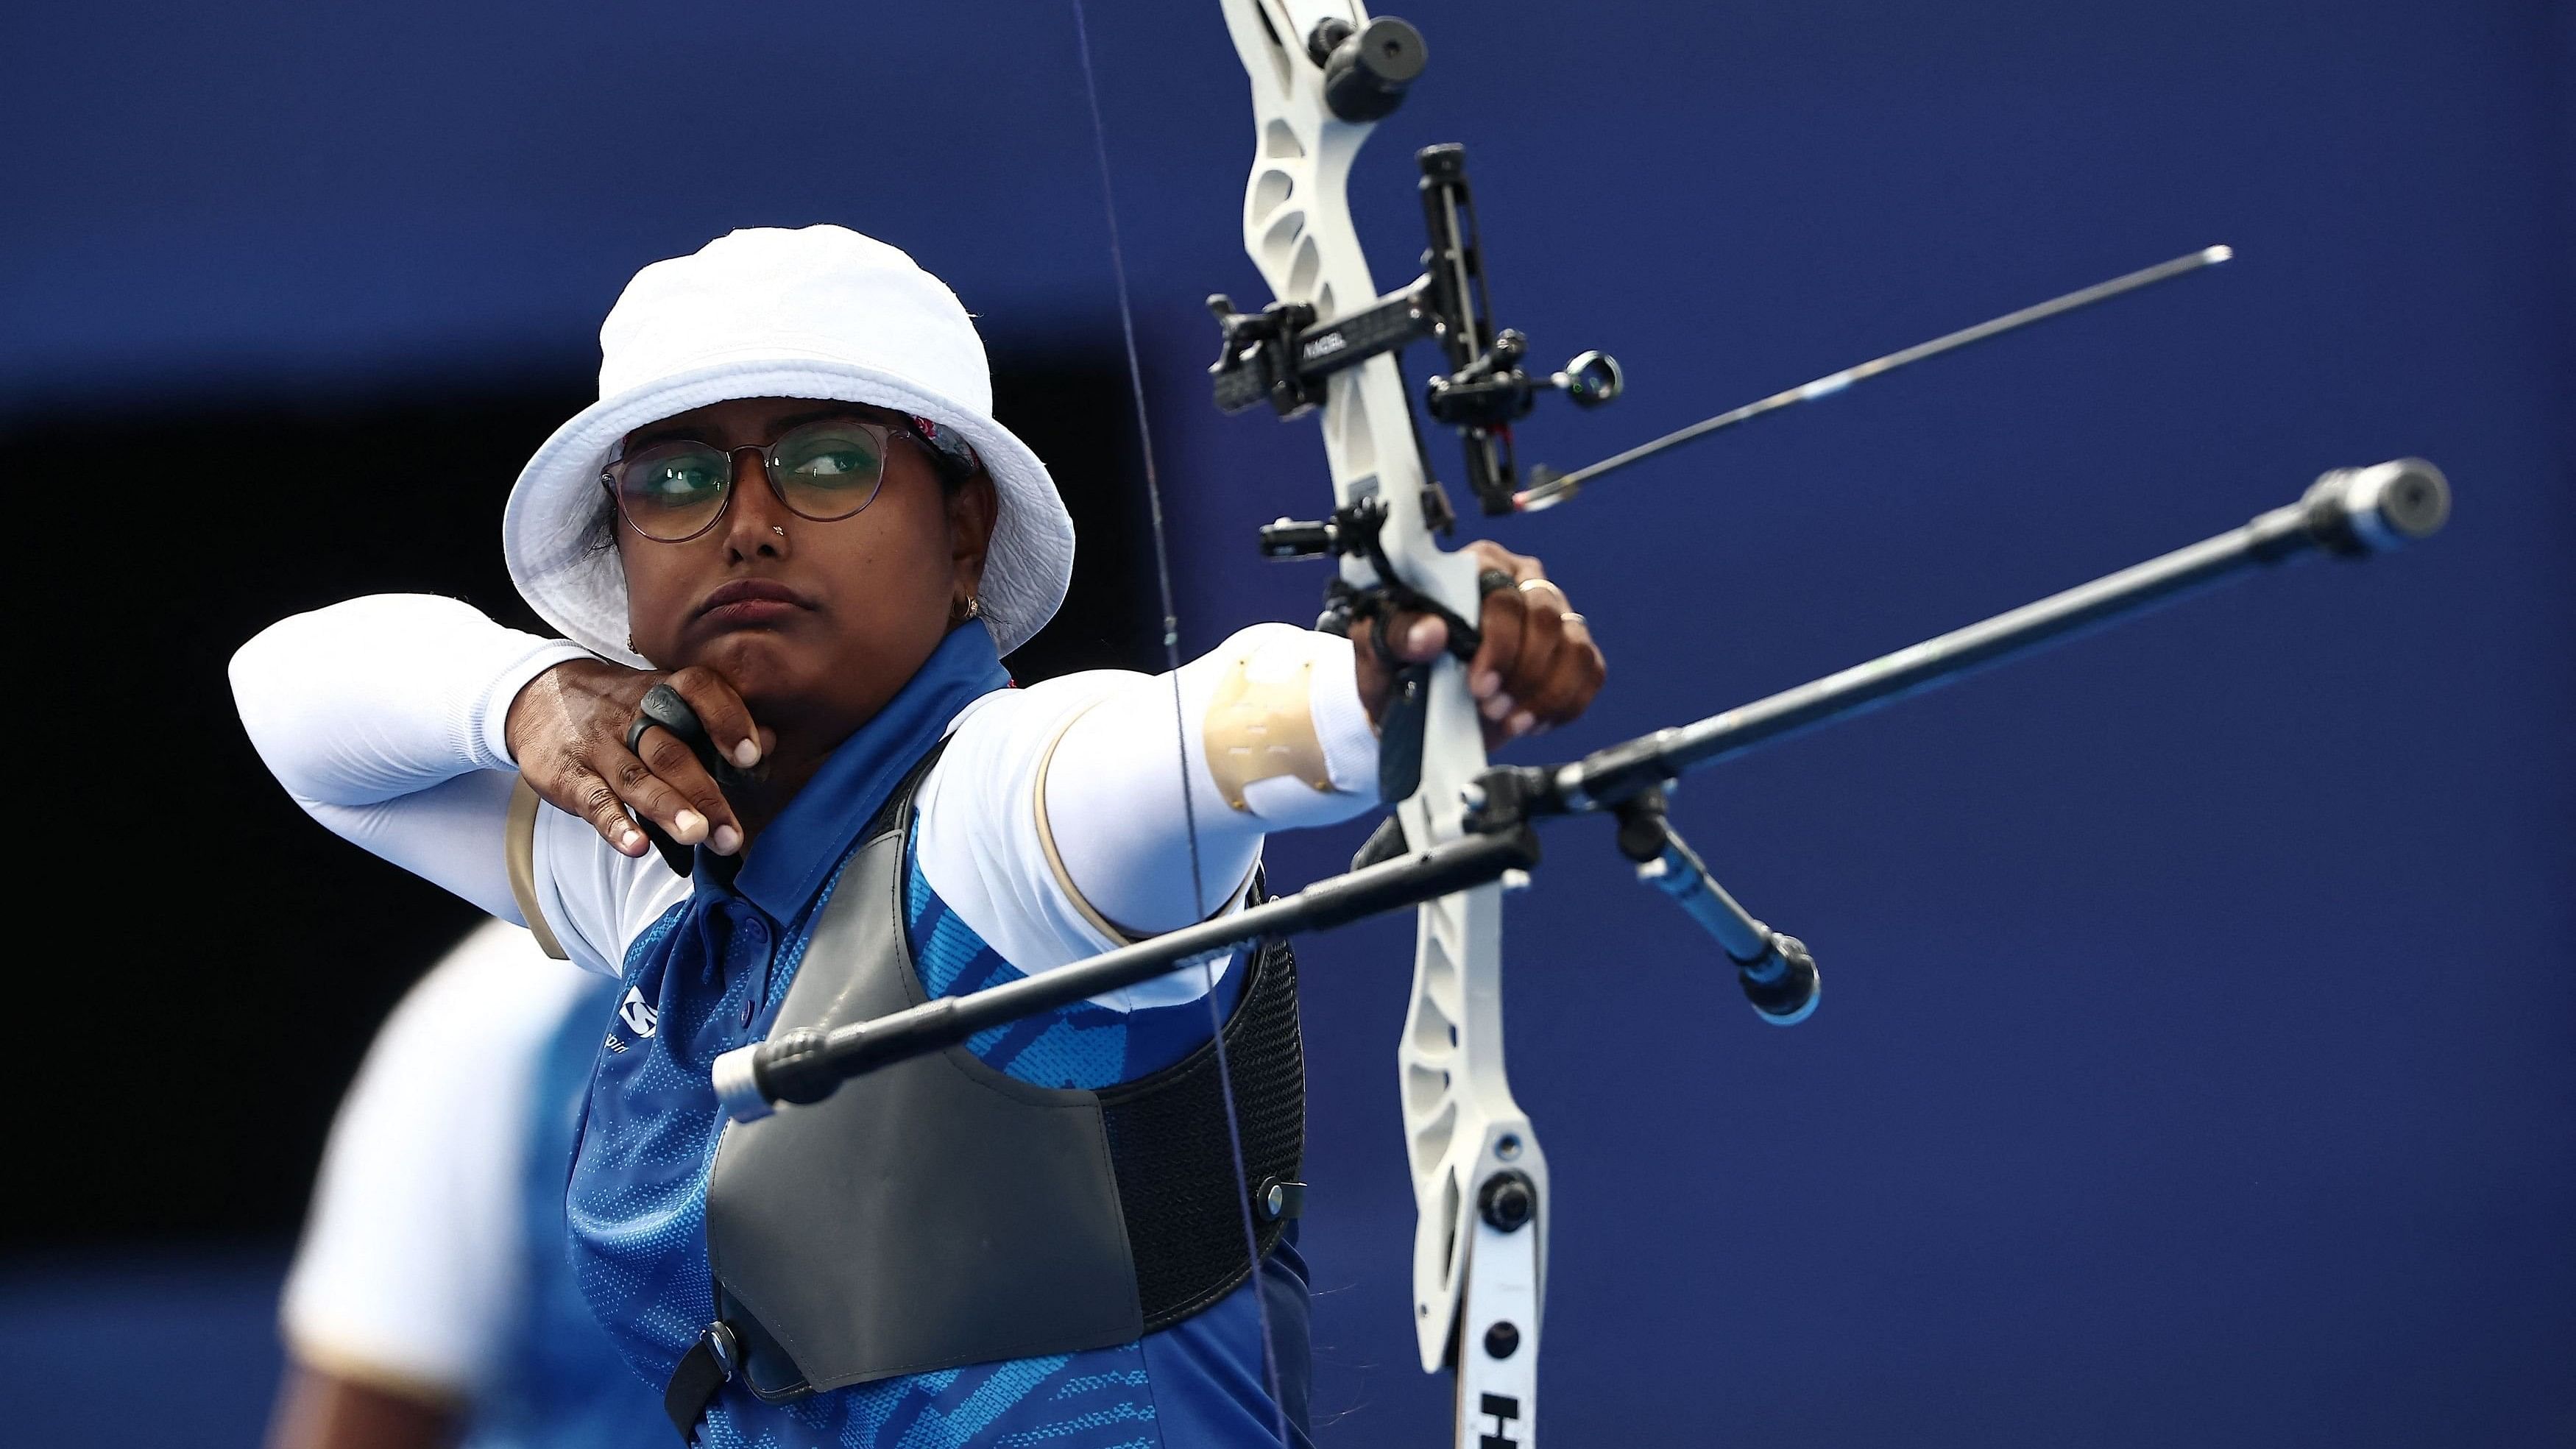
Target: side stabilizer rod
[806,1064]
[1775,969]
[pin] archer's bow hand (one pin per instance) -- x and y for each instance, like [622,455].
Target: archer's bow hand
[1536,665]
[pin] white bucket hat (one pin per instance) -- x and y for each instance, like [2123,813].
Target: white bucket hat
[820,312]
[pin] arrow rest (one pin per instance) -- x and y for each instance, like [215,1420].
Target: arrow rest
[1355,530]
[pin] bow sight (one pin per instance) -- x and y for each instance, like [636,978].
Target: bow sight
[1283,354]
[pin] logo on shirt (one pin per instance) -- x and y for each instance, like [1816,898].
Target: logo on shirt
[637,1013]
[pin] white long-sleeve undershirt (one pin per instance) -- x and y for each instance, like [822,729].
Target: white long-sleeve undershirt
[383,717]
[377,715]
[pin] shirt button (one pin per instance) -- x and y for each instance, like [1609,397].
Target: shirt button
[750,1009]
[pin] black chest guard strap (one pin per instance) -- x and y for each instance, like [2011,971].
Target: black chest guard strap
[940,1213]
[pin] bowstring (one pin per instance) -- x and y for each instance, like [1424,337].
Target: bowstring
[1180,729]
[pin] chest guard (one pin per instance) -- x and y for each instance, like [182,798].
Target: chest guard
[939,1213]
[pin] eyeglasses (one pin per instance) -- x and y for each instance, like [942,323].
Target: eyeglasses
[824,471]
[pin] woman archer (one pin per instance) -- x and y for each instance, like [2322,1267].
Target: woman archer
[792,506]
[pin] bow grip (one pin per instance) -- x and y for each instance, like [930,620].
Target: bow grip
[1399,734]
[1407,715]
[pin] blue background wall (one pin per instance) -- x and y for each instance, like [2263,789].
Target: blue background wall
[2200,1064]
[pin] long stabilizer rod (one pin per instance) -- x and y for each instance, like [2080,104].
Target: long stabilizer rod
[1549,487]
[2353,512]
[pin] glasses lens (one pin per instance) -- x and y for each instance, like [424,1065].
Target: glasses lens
[830,469]
[672,491]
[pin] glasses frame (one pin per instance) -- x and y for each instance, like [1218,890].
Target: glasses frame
[885,432]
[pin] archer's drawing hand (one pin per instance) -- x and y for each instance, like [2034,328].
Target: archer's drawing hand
[1536,667]
[567,730]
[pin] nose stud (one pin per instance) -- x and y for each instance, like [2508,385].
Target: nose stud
[774,528]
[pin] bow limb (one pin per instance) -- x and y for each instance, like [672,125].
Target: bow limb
[1479,1179]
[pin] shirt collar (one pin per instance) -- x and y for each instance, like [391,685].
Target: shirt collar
[799,851]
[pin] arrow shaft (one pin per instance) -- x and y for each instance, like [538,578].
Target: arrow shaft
[1556,489]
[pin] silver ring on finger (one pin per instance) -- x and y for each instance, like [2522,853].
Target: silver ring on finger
[1550,585]
[1571,617]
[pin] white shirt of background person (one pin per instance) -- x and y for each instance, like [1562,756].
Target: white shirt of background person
[411,1257]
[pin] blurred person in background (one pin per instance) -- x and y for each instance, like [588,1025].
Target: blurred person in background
[432,1302]
[792,517]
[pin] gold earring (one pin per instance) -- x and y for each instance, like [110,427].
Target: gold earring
[974,606]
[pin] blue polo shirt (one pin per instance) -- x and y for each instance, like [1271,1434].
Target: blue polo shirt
[557,1384]
[708,976]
